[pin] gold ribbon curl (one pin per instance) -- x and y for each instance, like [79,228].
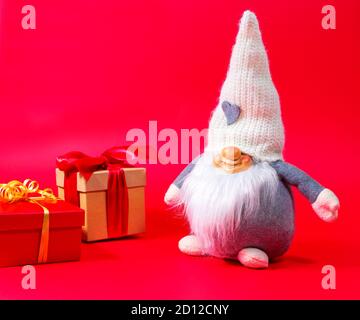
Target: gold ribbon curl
[30,191]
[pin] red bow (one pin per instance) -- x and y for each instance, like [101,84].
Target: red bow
[115,160]
[76,161]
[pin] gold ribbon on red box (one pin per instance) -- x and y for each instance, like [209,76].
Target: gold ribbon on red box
[29,190]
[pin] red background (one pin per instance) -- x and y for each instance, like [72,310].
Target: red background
[92,70]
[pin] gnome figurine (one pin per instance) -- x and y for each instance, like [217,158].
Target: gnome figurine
[236,195]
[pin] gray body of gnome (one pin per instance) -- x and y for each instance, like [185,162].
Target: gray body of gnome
[272,229]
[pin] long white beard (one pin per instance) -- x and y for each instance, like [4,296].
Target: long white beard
[216,202]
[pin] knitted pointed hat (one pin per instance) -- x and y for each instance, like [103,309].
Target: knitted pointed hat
[248,115]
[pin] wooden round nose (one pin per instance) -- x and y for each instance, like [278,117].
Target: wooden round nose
[231,153]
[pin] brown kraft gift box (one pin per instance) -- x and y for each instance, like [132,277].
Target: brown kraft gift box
[93,195]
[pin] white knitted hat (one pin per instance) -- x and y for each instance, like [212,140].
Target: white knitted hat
[248,115]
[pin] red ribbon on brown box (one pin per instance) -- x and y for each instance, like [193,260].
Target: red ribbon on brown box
[114,160]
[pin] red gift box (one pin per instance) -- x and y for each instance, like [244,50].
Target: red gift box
[21,226]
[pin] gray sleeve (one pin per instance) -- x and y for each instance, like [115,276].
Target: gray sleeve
[296,177]
[182,176]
